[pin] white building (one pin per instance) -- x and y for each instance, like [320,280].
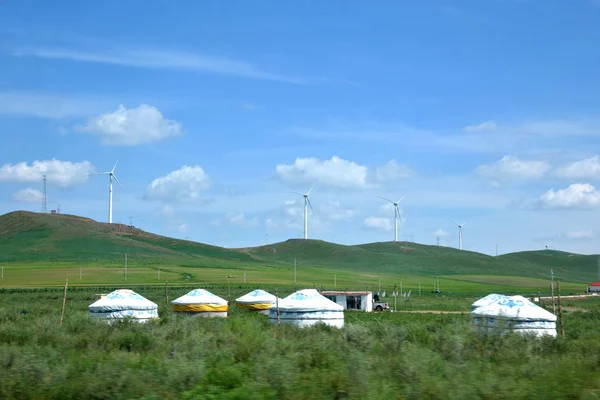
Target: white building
[502,314]
[594,287]
[306,308]
[351,300]
[122,304]
[201,303]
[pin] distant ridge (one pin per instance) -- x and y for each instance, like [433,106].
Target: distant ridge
[27,237]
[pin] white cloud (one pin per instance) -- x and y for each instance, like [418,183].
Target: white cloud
[236,219]
[393,171]
[166,60]
[28,195]
[378,223]
[580,235]
[333,211]
[185,184]
[441,233]
[577,195]
[484,126]
[510,167]
[59,173]
[134,126]
[335,172]
[588,168]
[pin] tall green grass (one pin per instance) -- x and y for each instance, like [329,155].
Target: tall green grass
[379,355]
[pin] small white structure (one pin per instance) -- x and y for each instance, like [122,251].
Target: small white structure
[594,287]
[513,313]
[351,300]
[307,307]
[257,300]
[202,303]
[121,304]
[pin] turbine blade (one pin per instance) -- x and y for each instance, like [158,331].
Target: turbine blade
[113,170]
[383,198]
[313,186]
[400,199]
[463,224]
[299,194]
[311,207]
[454,222]
[114,176]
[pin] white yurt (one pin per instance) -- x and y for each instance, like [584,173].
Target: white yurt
[201,303]
[257,300]
[308,307]
[124,303]
[513,313]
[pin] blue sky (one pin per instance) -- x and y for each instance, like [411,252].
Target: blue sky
[483,112]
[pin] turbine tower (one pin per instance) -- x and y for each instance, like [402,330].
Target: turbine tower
[111,176]
[307,204]
[396,215]
[460,235]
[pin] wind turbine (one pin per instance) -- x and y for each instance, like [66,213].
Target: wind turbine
[396,215]
[307,204]
[460,236]
[111,176]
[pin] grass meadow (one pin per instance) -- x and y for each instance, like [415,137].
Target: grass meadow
[376,355]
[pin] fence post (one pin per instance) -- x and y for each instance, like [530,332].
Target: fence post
[62,314]
[562,324]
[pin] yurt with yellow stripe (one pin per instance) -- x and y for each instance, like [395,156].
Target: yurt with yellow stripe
[257,300]
[202,303]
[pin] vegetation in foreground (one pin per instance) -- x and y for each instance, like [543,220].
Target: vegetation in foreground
[381,355]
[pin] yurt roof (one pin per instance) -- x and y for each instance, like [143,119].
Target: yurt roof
[514,307]
[308,300]
[257,296]
[490,298]
[122,299]
[199,296]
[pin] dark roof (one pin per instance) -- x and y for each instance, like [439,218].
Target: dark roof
[344,293]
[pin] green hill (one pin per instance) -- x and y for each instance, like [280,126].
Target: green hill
[27,237]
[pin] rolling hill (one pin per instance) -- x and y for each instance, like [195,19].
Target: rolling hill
[34,238]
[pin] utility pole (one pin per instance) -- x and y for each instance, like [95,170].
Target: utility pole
[294,271]
[158,277]
[335,281]
[552,290]
[419,288]
[80,273]
[438,241]
[396,296]
[125,266]
[44,207]
[228,287]
[496,250]
[400,288]
[244,276]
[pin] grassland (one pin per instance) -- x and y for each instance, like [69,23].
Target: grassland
[382,355]
[44,250]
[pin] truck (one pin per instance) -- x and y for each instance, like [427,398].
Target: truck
[380,306]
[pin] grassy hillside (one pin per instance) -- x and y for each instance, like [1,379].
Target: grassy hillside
[33,238]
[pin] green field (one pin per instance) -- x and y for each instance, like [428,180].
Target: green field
[44,250]
[376,355]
